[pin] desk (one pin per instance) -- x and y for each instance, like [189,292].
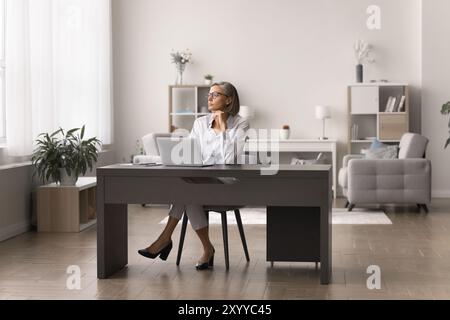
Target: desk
[297,146]
[294,192]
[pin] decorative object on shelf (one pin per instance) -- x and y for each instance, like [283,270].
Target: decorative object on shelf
[180,59]
[363,51]
[209,79]
[445,111]
[355,129]
[63,157]
[323,113]
[285,133]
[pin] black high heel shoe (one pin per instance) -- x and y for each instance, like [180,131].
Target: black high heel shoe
[206,265]
[163,253]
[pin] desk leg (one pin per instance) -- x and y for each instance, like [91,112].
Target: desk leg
[112,235]
[335,173]
[325,243]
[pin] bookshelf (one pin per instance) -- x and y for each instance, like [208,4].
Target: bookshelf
[186,104]
[377,110]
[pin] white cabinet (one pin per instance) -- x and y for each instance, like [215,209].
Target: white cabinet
[365,100]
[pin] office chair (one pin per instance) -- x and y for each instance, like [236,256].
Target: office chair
[223,213]
[247,159]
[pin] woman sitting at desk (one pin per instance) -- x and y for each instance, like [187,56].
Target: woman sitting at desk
[221,136]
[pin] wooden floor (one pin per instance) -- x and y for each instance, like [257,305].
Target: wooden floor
[413,254]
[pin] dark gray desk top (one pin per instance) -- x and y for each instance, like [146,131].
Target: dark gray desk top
[214,171]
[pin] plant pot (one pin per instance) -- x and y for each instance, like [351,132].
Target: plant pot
[285,134]
[66,180]
[208,82]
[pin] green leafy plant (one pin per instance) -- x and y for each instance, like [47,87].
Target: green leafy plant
[445,111]
[209,77]
[61,150]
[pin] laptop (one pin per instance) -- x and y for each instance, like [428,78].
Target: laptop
[180,152]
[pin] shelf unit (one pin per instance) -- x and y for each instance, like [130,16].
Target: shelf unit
[186,104]
[67,209]
[367,104]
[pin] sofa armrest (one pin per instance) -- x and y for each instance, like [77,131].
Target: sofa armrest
[349,157]
[389,181]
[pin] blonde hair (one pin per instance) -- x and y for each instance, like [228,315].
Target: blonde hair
[230,91]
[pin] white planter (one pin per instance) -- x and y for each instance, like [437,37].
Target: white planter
[208,82]
[285,134]
[66,180]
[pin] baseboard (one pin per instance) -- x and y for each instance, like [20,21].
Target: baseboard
[440,194]
[14,230]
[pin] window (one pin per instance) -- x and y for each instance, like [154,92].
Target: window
[2,70]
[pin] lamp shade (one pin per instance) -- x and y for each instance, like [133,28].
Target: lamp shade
[246,112]
[323,112]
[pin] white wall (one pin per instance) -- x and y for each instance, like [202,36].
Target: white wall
[436,89]
[285,57]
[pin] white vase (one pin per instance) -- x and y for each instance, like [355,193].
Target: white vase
[66,180]
[285,134]
[208,82]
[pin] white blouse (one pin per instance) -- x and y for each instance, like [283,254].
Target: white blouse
[222,148]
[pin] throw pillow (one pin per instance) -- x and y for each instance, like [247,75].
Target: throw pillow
[387,153]
[377,144]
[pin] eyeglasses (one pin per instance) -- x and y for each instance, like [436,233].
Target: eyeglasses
[214,95]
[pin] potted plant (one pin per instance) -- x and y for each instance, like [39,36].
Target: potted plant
[63,157]
[285,132]
[445,111]
[209,79]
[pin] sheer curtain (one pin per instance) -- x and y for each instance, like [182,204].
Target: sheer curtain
[58,58]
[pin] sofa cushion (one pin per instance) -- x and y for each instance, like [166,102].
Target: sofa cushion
[389,181]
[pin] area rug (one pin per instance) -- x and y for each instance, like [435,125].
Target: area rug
[257,216]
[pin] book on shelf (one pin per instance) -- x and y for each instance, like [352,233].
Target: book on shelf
[401,105]
[388,105]
[393,103]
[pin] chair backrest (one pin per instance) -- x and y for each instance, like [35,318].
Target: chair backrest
[413,146]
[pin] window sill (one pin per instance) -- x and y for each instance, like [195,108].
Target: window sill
[14,165]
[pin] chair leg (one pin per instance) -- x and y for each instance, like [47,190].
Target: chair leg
[347,204]
[225,238]
[241,232]
[182,236]
[424,207]
[351,206]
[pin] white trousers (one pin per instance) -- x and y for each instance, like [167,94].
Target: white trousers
[195,213]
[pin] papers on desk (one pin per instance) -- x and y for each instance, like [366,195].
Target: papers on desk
[140,164]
